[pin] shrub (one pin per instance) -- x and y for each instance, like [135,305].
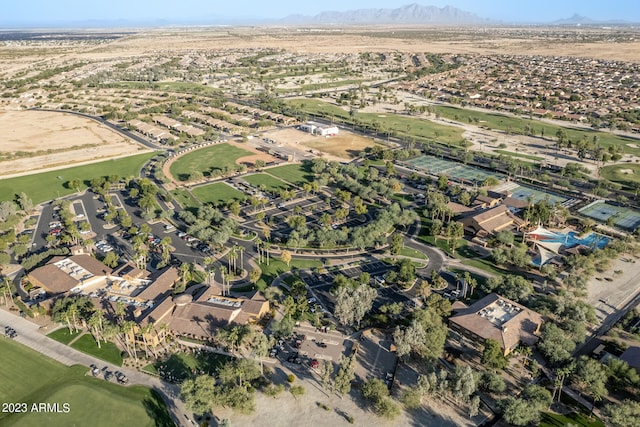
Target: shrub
[291,378]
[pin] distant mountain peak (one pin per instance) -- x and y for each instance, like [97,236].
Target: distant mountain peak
[575,19]
[413,13]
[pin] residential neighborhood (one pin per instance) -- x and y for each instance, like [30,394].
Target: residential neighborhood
[397,224]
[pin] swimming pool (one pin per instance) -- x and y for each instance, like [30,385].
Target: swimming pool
[550,243]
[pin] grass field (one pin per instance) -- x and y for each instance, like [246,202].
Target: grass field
[205,160]
[412,253]
[62,335]
[627,174]
[270,183]
[277,267]
[217,193]
[26,376]
[517,125]
[107,351]
[297,174]
[556,420]
[182,365]
[401,125]
[50,185]
[185,198]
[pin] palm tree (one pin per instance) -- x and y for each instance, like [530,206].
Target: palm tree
[95,325]
[186,273]
[561,374]
[258,243]
[222,273]
[241,250]
[7,288]
[208,262]
[120,310]
[232,257]
[125,333]
[144,332]
[267,246]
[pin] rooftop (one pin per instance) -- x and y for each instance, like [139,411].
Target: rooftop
[499,312]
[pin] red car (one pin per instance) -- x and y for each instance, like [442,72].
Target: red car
[314,364]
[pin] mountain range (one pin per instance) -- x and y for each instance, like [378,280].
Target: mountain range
[412,14]
[409,14]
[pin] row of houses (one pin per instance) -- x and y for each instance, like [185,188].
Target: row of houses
[155,133]
[217,124]
[262,114]
[178,126]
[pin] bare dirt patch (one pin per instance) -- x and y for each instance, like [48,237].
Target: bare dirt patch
[56,139]
[344,146]
[251,160]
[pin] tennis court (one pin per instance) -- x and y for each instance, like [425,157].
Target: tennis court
[523,193]
[465,174]
[455,171]
[433,165]
[622,217]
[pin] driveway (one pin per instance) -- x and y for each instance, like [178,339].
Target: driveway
[29,335]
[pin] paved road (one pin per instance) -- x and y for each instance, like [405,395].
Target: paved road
[29,335]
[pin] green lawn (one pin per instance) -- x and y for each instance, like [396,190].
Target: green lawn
[62,335]
[555,420]
[185,198]
[217,193]
[27,376]
[277,267]
[517,125]
[627,174]
[182,365]
[45,186]
[108,351]
[270,183]
[216,157]
[297,174]
[412,253]
[401,125]
[481,280]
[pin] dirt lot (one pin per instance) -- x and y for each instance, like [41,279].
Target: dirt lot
[344,146]
[57,139]
[375,38]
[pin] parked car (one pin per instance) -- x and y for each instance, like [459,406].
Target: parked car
[121,378]
[10,332]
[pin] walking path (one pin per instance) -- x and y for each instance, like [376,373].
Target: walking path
[29,334]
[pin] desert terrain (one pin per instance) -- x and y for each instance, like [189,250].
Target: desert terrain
[49,140]
[538,41]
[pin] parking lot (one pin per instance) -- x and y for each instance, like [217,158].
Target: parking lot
[375,358]
[309,346]
[320,283]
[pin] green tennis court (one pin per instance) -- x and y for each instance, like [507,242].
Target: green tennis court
[453,170]
[622,217]
[527,193]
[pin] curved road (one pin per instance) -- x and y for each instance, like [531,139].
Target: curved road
[29,335]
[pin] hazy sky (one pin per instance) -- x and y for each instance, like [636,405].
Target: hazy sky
[51,11]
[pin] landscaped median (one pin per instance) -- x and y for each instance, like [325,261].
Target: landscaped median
[28,378]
